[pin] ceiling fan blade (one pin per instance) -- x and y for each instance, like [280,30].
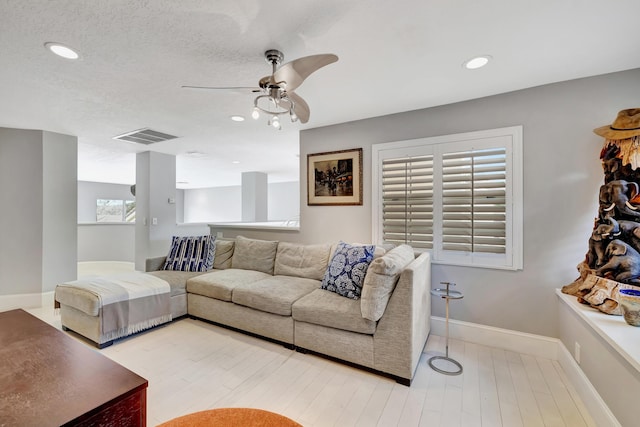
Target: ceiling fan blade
[300,107]
[296,71]
[239,89]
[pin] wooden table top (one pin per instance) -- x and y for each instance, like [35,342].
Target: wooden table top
[48,378]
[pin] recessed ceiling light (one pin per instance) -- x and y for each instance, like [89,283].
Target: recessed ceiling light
[237,118]
[236,162]
[62,50]
[195,154]
[477,62]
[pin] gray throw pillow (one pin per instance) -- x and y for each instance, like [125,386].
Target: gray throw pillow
[252,254]
[381,279]
[308,261]
[224,252]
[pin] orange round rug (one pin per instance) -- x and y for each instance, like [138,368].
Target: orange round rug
[232,417]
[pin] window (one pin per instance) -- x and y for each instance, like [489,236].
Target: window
[458,196]
[407,201]
[113,210]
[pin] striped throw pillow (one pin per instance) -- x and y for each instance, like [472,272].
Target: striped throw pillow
[191,253]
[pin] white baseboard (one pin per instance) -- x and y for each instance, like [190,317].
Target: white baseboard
[521,342]
[11,302]
[597,408]
[534,345]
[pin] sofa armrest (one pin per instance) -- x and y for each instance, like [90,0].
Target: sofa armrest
[154,264]
[403,329]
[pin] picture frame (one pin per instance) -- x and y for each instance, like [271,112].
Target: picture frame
[334,178]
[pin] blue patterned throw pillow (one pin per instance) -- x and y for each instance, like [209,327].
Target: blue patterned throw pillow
[191,253]
[346,271]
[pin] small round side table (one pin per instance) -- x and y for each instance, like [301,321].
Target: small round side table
[447,295]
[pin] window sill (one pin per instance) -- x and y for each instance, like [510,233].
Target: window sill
[622,337]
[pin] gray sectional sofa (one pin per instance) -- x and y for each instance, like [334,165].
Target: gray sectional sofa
[273,290]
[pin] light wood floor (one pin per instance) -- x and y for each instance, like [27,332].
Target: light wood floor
[192,366]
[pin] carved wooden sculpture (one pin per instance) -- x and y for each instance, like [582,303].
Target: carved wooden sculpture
[613,259]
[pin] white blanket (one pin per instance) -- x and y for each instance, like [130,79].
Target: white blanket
[121,286]
[128,302]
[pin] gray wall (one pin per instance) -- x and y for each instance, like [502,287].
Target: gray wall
[562,174]
[21,213]
[103,242]
[155,185]
[38,241]
[106,242]
[60,197]
[180,206]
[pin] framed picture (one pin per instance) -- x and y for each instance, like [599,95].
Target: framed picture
[334,178]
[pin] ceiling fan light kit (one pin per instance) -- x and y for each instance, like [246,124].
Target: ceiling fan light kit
[277,96]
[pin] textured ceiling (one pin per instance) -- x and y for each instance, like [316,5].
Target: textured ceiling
[394,56]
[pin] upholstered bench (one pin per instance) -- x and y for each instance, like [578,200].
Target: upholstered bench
[105,308]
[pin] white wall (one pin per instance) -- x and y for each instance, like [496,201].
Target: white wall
[89,192]
[218,204]
[284,201]
[616,380]
[224,204]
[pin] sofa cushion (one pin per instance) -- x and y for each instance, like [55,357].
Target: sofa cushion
[329,309]
[177,279]
[191,253]
[220,283]
[347,269]
[308,261]
[224,252]
[381,279]
[274,294]
[252,254]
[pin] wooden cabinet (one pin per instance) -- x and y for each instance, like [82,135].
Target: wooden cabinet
[50,379]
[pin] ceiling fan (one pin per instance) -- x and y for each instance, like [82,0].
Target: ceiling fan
[277,96]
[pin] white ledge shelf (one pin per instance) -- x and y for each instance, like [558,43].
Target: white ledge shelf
[272,226]
[106,223]
[622,337]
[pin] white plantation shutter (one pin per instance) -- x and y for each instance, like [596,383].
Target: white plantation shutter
[473,201]
[407,201]
[457,196]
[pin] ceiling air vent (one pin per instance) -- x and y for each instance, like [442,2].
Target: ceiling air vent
[144,136]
